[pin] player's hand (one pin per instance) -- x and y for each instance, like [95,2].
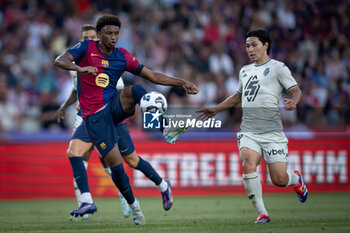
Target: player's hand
[190,88]
[206,113]
[91,70]
[77,107]
[289,104]
[60,114]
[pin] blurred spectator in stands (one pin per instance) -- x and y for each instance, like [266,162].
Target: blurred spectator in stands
[196,39]
[220,61]
[339,104]
[285,15]
[335,68]
[49,106]
[10,117]
[202,61]
[319,75]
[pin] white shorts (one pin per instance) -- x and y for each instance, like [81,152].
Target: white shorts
[273,146]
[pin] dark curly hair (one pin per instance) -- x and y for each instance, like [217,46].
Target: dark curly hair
[263,36]
[107,20]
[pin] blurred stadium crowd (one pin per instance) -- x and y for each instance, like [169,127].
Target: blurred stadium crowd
[202,41]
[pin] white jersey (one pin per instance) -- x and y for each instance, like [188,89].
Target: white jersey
[261,87]
[73,74]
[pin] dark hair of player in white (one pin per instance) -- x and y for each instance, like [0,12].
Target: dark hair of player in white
[263,36]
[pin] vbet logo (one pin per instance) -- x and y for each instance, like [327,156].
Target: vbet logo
[157,121]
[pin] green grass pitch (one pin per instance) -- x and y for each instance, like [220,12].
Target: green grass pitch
[321,213]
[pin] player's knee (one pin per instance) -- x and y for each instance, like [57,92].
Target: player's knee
[248,166]
[279,181]
[132,161]
[73,153]
[132,164]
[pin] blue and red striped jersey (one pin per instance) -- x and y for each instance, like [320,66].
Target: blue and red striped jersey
[96,91]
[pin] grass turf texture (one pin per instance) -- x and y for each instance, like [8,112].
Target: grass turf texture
[321,213]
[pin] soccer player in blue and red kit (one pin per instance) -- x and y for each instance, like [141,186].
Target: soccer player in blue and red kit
[99,65]
[126,145]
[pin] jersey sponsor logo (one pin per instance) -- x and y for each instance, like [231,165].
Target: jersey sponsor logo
[251,88]
[276,152]
[103,145]
[94,55]
[102,80]
[104,63]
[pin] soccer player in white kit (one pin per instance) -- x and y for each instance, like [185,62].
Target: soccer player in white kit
[260,87]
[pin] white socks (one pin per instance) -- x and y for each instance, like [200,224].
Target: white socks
[134,205]
[252,185]
[163,186]
[85,164]
[293,178]
[77,193]
[86,197]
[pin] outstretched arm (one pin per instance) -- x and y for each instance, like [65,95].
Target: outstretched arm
[159,78]
[206,113]
[291,103]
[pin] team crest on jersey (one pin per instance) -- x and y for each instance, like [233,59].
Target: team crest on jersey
[102,80]
[104,63]
[103,145]
[244,73]
[266,71]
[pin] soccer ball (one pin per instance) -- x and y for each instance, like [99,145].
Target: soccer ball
[153,101]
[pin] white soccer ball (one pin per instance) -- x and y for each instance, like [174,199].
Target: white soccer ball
[153,101]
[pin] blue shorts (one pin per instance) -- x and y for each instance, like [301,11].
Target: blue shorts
[100,129]
[118,113]
[125,144]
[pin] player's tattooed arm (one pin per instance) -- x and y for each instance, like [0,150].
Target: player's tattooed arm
[232,101]
[65,61]
[291,103]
